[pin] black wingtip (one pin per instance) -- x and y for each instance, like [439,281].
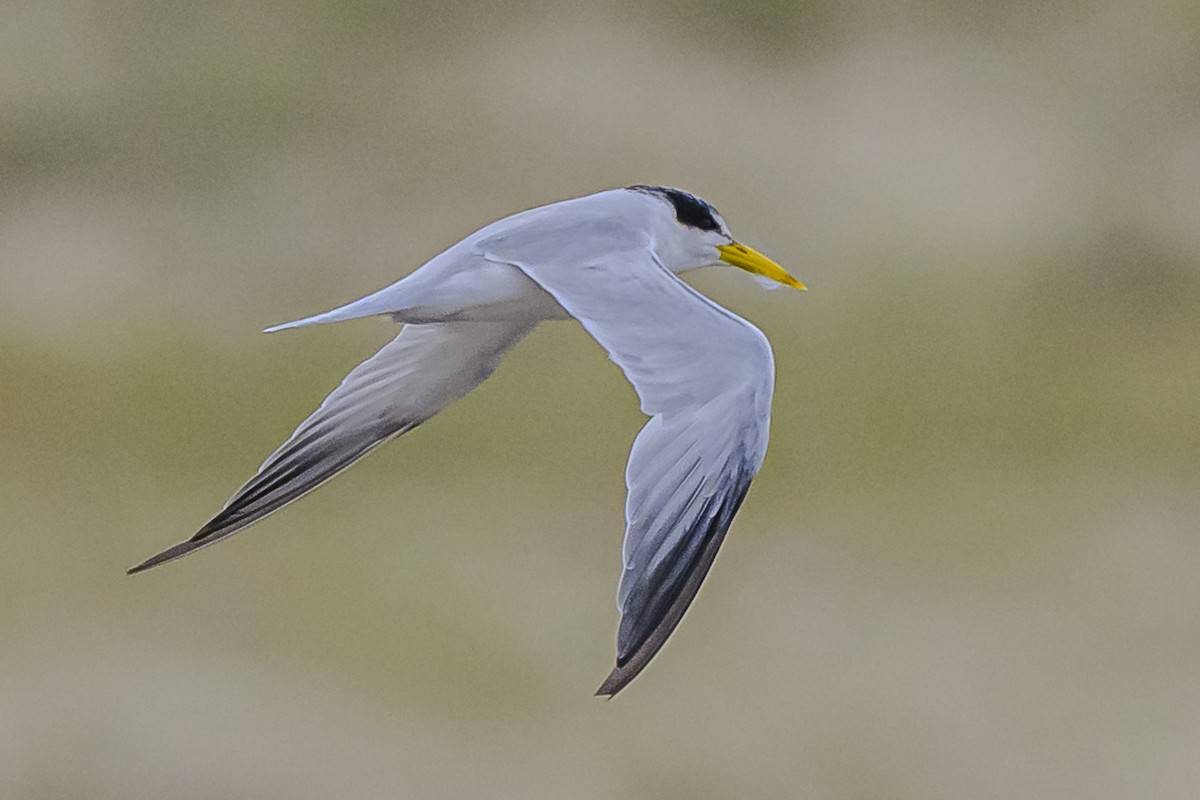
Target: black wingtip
[631,663]
[170,554]
[617,680]
[625,671]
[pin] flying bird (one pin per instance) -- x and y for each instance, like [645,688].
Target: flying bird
[610,260]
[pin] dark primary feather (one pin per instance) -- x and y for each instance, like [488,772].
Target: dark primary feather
[658,603]
[292,473]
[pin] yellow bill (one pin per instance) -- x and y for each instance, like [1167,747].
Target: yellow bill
[756,263]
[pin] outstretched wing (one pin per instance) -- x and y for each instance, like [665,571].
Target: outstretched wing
[410,379]
[705,377]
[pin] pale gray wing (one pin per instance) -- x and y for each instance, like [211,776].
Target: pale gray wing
[705,377]
[410,379]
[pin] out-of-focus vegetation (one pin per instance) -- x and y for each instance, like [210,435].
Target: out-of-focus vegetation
[967,569]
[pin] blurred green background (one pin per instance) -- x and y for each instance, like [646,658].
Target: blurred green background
[967,570]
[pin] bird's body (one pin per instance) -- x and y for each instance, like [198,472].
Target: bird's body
[704,377]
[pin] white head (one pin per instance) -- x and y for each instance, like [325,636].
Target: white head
[689,233]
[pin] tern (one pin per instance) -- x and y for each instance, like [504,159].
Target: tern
[610,260]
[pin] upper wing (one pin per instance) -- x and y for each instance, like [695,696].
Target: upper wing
[705,377]
[410,379]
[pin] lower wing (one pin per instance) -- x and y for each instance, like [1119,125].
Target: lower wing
[705,378]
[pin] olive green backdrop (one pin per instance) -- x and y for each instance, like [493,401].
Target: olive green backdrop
[967,570]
